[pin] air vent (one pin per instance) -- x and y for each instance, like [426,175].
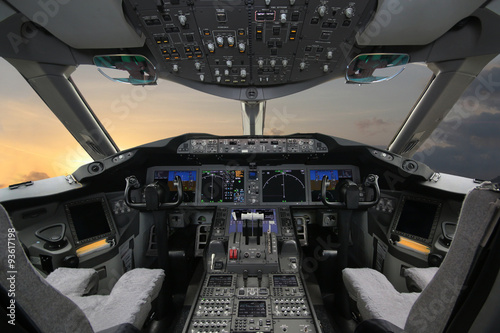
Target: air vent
[95,168]
[410,146]
[410,166]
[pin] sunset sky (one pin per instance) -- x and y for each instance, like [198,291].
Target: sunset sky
[35,145]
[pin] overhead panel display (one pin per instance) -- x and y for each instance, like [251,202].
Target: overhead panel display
[316,177]
[283,186]
[188,178]
[223,186]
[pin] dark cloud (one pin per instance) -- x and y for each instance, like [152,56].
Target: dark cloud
[372,126]
[275,131]
[483,93]
[36,175]
[467,147]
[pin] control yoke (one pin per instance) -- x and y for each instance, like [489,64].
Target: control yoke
[348,193]
[154,193]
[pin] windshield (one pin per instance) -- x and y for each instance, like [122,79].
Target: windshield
[137,115]
[35,144]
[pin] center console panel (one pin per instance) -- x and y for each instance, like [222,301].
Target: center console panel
[252,277]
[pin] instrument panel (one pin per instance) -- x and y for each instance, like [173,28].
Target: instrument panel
[243,185]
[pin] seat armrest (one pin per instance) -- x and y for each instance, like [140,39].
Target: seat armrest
[74,281]
[418,278]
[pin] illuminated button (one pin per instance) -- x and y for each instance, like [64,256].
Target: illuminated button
[206,32]
[241,32]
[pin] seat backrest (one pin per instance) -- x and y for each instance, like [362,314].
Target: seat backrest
[432,310]
[49,310]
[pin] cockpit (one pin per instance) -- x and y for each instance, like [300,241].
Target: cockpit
[256,231]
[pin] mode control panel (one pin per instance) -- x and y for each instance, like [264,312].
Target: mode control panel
[252,146]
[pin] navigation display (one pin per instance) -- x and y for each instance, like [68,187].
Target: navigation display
[223,186]
[188,183]
[316,176]
[283,186]
[252,309]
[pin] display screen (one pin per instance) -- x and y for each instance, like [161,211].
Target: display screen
[223,186]
[283,186]
[285,281]
[252,309]
[316,177]
[188,183]
[417,218]
[89,220]
[220,281]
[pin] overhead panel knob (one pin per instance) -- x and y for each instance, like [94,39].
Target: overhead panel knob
[197,65]
[243,73]
[202,77]
[302,66]
[229,63]
[329,55]
[220,41]
[349,12]
[268,2]
[217,72]
[284,62]
[241,47]
[182,19]
[321,11]
[292,2]
[175,68]
[325,68]
[273,63]
[230,41]
[211,47]
[283,18]
[260,63]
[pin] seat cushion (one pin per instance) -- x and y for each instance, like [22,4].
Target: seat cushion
[129,301]
[376,297]
[73,281]
[418,278]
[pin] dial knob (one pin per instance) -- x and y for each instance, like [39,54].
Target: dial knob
[202,77]
[229,63]
[325,68]
[260,63]
[220,41]
[329,55]
[211,47]
[243,73]
[182,19]
[197,65]
[284,62]
[273,63]
[268,2]
[283,18]
[292,2]
[226,72]
[219,79]
[175,68]
[230,41]
[349,12]
[241,47]
[321,11]
[302,66]
[217,72]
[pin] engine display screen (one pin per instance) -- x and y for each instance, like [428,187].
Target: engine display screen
[188,178]
[285,281]
[223,186]
[417,218]
[316,177]
[220,281]
[89,220]
[283,186]
[252,309]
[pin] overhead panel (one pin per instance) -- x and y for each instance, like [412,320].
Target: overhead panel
[260,43]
